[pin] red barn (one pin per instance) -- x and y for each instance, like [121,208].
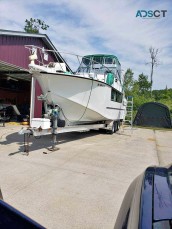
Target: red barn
[15,79]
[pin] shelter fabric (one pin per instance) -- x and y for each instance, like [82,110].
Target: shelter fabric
[153,114]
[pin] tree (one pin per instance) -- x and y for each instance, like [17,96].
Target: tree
[128,81]
[154,62]
[34,25]
[144,84]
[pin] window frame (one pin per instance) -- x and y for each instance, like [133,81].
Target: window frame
[118,96]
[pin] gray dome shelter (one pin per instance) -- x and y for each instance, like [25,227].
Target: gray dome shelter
[153,114]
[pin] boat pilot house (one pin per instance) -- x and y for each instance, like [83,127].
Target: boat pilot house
[107,66]
[15,78]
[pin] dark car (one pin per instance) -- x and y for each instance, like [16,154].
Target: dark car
[12,218]
[148,201]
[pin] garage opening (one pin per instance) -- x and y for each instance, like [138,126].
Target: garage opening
[15,87]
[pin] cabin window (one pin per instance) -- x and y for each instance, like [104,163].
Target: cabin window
[119,97]
[116,96]
[108,60]
[113,95]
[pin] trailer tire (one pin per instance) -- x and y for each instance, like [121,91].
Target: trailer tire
[118,125]
[113,128]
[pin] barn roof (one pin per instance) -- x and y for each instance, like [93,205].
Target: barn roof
[12,69]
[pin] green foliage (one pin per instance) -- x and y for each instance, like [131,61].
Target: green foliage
[128,81]
[34,25]
[141,91]
[144,84]
[164,97]
[162,94]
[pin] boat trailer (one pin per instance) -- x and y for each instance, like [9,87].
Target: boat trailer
[54,131]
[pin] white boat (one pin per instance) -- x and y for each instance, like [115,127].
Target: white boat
[94,93]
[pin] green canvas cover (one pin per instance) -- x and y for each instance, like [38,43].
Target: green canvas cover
[110,78]
[153,114]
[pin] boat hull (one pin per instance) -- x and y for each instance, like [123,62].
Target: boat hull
[81,99]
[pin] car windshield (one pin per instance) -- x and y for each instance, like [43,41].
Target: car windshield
[165,224]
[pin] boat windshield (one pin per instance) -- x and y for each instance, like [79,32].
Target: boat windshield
[98,60]
[85,65]
[86,61]
[100,64]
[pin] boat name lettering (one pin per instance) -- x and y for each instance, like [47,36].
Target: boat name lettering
[100,85]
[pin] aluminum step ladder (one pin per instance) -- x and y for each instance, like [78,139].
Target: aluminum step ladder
[128,120]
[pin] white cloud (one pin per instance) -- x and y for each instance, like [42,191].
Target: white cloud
[92,26]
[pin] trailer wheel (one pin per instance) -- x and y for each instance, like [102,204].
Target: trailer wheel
[117,125]
[113,128]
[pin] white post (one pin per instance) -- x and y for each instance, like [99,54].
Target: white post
[32,99]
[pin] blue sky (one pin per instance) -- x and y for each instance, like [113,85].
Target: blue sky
[92,26]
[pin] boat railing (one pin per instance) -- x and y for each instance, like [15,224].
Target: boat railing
[94,70]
